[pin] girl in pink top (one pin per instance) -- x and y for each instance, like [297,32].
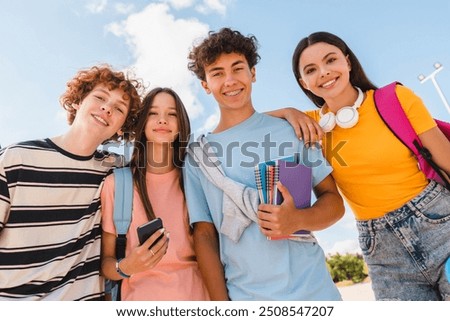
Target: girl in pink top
[169,270]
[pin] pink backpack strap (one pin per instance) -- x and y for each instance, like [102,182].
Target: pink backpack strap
[392,113]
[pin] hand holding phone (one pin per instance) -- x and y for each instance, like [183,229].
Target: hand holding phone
[148,229]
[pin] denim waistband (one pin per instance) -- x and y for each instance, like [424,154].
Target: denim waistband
[427,195]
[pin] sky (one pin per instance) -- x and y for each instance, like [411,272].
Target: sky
[44,43]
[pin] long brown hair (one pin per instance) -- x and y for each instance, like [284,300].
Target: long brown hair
[139,159]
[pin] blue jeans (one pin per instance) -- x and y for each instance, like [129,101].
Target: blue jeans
[407,249]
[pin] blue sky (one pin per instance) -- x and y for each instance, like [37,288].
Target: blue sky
[45,42]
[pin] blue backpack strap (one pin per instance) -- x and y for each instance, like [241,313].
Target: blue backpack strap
[123,205]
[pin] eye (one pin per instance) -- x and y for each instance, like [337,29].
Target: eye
[216,74]
[310,71]
[331,60]
[120,110]
[152,113]
[173,114]
[99,97]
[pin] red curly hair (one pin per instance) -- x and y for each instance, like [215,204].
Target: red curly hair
[85,81]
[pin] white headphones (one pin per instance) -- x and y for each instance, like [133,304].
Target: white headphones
[346,117]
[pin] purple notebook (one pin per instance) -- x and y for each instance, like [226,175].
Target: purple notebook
[297,178]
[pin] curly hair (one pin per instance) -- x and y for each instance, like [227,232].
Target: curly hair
[217,43]
[85,81]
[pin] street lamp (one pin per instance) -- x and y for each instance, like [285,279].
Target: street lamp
[438,67]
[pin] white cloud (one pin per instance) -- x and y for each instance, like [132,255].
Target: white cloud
[344,247]
[209,124]
[160,45]
[123,8]
[96,6]
[180,4]
[210,6]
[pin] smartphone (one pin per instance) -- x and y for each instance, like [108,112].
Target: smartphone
[146,230]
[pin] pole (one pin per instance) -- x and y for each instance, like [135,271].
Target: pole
[438,67]
[441,94]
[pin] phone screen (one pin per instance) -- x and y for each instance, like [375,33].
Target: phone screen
[146,230]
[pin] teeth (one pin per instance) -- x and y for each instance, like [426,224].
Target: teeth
[233,93]
[328,83]
[101,120]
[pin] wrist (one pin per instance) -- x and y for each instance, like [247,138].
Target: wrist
[118,270]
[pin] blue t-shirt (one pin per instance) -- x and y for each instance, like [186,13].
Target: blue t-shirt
[257,268]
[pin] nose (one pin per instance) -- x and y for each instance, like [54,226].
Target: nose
[324,72]
[229,80]
[162,120]
[106,108]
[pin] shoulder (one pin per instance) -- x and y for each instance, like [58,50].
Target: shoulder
[405,92]
[15,152]
[314,114]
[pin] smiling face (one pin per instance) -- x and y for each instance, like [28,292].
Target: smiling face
[104,111]
[230,80]
[162,120]
[325,71]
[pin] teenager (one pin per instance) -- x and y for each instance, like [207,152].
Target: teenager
[241,263]
[159,270]
[50,193]
[402,218]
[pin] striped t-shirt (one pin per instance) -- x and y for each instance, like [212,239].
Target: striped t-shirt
[50,223]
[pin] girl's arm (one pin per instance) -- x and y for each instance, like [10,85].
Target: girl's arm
[305,127]
[140,259]
[439,146]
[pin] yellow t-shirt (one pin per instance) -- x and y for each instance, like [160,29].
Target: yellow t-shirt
[374,171]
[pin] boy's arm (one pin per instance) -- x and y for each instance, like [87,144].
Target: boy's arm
[284,219]
[305,127]
[206,245]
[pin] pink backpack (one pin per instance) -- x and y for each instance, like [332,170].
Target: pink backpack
[392,113]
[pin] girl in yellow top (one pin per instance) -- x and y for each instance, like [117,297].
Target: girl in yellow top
[169,270]
[403,219]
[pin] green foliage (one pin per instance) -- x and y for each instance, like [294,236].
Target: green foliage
[347,267]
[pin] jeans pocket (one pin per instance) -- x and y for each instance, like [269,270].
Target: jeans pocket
[366,243]
[437,210]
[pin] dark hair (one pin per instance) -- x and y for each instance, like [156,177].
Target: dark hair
[358,77]
[85,81]
[139,158]
[217,43]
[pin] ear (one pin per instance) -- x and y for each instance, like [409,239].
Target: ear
[253,72]
[348,62]
[76,106]
[205,87]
